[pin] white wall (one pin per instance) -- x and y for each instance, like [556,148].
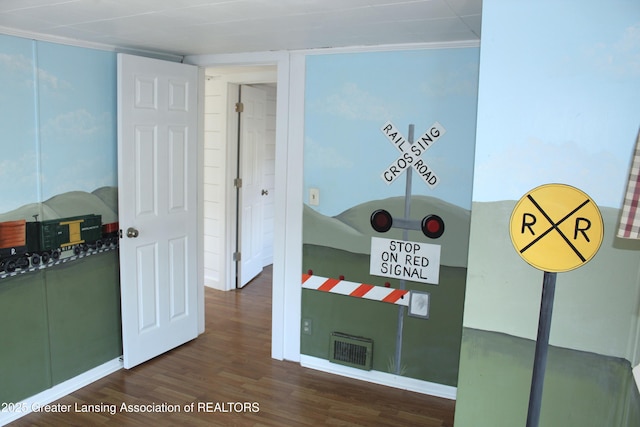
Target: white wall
[215,154]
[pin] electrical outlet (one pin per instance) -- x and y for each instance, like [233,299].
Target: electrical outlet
[314,196]
[306,326]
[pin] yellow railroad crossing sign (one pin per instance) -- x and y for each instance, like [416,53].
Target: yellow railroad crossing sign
[556,228]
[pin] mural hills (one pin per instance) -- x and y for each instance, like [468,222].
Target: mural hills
[102,201]
[351,230]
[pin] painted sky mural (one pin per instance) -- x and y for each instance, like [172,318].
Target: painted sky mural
[57,113]
[586,137]
[358,93]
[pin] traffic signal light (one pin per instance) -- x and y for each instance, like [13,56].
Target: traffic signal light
[432,226]
[381,221]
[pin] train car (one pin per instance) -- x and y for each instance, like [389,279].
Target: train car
[12,236]
[25,243]
[75,233]
[13,245]
[111,233]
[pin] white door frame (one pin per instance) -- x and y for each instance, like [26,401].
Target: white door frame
[287,250]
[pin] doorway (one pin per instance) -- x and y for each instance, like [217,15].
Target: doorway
[222,223]
[287,256]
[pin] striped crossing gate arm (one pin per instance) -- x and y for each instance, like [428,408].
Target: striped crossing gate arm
[355,289]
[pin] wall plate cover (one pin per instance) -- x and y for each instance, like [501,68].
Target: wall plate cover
[314,196]
[419,304]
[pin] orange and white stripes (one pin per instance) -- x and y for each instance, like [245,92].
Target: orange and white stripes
[354,289]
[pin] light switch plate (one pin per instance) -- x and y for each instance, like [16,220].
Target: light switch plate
[314,196]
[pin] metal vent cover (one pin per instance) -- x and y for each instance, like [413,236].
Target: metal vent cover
[350,350]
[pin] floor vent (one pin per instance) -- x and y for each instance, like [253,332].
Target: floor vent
[349,350]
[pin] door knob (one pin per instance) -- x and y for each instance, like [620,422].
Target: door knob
[265,192]
[132,233]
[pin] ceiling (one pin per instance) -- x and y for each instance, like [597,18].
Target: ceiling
[193,27]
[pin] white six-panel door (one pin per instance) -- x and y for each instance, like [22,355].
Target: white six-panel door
[157,188]
[251,201]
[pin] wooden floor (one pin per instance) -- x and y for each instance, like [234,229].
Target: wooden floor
[228,375]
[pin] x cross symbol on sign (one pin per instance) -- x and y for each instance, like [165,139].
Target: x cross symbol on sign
[582,225]
[410,153]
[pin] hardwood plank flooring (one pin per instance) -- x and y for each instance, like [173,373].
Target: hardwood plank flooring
[228,375]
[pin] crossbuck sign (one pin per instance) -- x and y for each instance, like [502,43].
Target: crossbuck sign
[410,153]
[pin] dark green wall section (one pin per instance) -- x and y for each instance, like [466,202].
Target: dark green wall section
[336,313]
[24,347]
[84,315]
[580,390]
[58,323]
[430,346]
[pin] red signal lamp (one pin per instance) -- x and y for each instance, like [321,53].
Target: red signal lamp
[381,221]
[432,226]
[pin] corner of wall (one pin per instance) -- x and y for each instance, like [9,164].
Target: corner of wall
[633,346]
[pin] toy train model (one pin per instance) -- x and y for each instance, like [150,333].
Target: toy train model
[31,243]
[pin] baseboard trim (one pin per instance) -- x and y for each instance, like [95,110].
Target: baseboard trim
[382,378]
[213,284]
[56,392]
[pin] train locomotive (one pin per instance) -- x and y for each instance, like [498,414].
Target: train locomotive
[31,243]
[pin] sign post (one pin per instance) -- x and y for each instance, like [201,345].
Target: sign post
[542,346]
[555,228]
[410,152]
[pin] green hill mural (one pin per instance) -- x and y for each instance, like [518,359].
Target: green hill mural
[592,303]
[351,231]
[102,201]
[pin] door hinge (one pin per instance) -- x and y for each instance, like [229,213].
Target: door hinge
[237,256]
[239,107]
[237,182]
